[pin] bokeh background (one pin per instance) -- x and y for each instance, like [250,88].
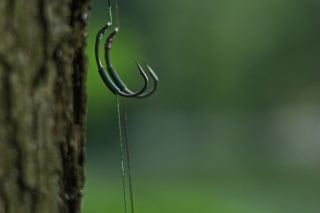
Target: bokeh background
[235,124]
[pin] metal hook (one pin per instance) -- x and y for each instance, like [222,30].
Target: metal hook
[114,75]
[109,83]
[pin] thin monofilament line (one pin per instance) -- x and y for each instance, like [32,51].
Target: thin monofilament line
[110,12]
[128,152]
[117,14]
[121,157]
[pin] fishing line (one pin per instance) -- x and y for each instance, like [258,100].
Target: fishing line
[126,132]
[110,12]
[128,152]
[121,157]
[117,14]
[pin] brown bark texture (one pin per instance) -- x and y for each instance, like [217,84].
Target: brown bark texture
[42,105]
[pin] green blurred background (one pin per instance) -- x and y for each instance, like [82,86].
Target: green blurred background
[235,124]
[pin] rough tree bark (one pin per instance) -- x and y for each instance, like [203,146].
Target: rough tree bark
[42,105]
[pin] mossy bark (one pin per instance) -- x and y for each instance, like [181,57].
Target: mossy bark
[42,105]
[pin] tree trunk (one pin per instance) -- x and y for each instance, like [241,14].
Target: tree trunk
[42,105]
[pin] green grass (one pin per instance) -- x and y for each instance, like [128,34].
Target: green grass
[204,193]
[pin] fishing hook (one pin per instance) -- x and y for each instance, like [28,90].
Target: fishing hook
[114,75]
[109,83]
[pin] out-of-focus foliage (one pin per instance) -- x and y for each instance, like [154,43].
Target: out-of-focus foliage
[235,119]
[208,54]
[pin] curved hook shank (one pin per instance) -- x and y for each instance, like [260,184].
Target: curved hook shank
[101,70]
[98,39]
